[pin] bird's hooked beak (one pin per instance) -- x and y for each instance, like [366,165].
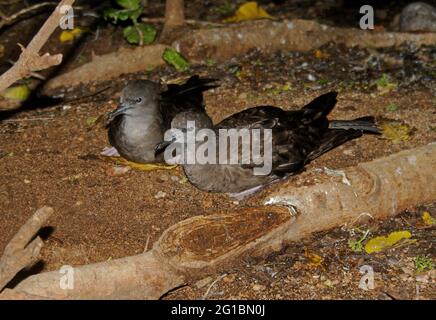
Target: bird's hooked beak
[161,146]
[121,109]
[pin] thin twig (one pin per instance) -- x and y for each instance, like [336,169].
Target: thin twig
[11,19]
[22,120]
[146,244]
[212,284]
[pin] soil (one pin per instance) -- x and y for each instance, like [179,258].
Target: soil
[49,155]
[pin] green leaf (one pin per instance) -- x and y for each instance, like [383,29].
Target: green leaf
[392,107]
[172,57]
[133,33]
[18,93]
[323,81]
[423,263]
[383,81]
[235,69]
[129,4]
[134,14]
[116,15]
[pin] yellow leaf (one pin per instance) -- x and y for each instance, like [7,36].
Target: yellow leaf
[378,244]
[249,11]
[396,131]
[19,93]
[427,218]
[142,166]
[314,259]
[69,35]
[320,54]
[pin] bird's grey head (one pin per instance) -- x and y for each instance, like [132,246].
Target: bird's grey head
[137,96]
[184,122]
[200,120]
[140,93]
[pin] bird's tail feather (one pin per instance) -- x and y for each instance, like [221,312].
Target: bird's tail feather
[333,139]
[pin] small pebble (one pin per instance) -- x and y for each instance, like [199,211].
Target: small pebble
[229,278]
[160,195]
[243,96]
[311,77]
[117,171]
[348,152]
[423,278]
[258,287]
[418,16]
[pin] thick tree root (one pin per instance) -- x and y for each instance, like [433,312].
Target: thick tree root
[22,251]
[222,43]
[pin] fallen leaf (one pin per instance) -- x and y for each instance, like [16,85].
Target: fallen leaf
[395,131]
[428,219]
[69,35]
[18,93]
[249,11]
[141,166]
[380,243]
[90,121]
[172,57]
[392,107]
[319,54]
[384,85]
[314,259]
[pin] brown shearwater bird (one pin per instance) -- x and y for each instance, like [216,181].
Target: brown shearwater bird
[298,137]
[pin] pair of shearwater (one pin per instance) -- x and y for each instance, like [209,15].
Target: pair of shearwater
[138,125]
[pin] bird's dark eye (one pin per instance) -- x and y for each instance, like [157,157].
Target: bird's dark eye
[138,100]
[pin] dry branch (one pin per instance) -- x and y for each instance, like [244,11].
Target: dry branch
[7,20]
[21,252]
[202,245]
[30,60]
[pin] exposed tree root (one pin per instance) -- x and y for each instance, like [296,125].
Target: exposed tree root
[222,43]
[22,251]
[202,245]
[108,66]
[297,35]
